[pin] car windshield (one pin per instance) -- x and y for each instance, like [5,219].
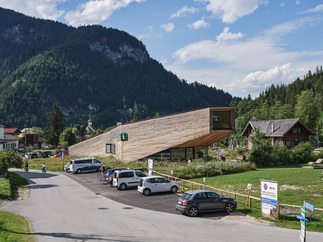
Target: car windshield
[186,196]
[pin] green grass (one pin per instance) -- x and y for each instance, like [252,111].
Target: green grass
[296,185]
[14,228]
[10,185]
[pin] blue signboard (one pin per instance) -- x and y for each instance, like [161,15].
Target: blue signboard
[309,206]
[303,218]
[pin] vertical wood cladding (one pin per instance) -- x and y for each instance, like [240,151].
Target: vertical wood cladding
[149,136]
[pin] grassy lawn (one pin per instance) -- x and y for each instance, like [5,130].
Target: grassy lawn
[13,227]
[296,185]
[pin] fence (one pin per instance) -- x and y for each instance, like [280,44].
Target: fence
[193,185]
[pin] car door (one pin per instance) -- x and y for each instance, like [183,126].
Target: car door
[137,177]
[214,201]
[201,200]
[163,184]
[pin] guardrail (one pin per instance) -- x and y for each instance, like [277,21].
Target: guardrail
[191,185]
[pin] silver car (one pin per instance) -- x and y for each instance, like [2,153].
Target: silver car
[151,184]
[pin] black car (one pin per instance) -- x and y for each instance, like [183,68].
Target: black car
[47,154]
[40,154]
[108,177]
[198,201]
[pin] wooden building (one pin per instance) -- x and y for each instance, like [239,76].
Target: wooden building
[288,132]
[181,131]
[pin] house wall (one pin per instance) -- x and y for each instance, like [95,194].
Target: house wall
[148,137]
[12,145]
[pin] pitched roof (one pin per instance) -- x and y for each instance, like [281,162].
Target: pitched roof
[11,130]
[9,137]
[275,128]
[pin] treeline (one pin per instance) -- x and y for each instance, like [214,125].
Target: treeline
[301,99]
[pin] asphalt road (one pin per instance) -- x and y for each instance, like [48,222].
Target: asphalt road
[163,202]
[60,209]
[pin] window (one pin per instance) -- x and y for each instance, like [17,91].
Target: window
[200,196]
[126,174]
[212,195]
[140,174]
[221,120]
[110,148]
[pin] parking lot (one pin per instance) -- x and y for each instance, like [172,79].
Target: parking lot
[163,202]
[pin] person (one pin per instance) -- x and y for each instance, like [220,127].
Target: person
[26,166]
[44,168]
[244,156]
[188,162]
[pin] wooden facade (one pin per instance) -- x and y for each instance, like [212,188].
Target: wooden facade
[133,141]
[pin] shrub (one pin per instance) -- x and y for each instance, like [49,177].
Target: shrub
[303,153]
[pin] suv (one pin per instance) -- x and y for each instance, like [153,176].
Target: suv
[152,184]
[127,178]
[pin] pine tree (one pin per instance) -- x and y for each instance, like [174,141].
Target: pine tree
[55,126]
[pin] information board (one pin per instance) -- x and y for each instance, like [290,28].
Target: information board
[269,199]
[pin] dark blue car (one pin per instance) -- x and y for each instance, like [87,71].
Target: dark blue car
[108,177]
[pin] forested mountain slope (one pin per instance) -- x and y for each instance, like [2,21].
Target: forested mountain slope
[92,69]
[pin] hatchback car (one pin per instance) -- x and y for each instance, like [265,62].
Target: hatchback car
[198,201]
[47,154]
[148,185]
[60,154]
[127,178]
[108,176]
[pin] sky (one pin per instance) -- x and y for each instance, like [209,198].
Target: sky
[239,46]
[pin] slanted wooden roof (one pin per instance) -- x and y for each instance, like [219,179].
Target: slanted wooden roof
[11,131]
[275,128]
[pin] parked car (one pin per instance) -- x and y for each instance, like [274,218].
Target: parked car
[151,184]
[40,154]
[85,164]
[60,154]
[22,150]
[127,178]
[198,201]
[47,154]
[31,155]
[67,167]
[108,177]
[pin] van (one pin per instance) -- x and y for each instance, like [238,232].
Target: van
[127,178]
[85,164]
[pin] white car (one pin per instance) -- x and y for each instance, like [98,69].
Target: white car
[153,184]
[127,178]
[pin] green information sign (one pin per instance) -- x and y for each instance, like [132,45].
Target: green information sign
[123,136]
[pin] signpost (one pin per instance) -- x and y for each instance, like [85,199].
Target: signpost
[249,188]
[150,166]
[303,219]
[269,199]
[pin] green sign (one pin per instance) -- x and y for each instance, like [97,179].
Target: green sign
[303,210]
[123,136]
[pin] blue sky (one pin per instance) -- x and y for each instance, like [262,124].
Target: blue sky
[239,46]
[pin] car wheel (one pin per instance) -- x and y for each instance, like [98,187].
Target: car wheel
[147,192]
[174,189]
[78,171]
[67,170]
[229,207]
[193,212]
[122,186]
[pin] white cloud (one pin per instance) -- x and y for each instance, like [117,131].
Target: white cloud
[231,10]
[95,11]
[35,8]
[226,35]
[169,27]
[317,9]
[148,34]
[238,64]
[199,25]
[183,11]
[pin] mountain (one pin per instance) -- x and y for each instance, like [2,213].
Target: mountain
[89,69]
